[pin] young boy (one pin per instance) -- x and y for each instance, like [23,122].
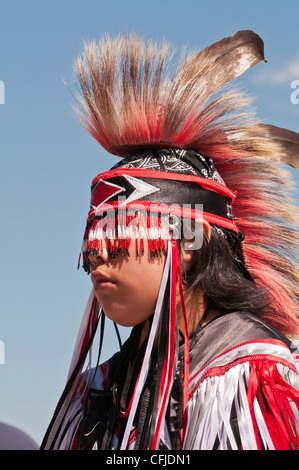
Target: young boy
[190,241]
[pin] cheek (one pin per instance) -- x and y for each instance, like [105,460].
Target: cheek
[135,296]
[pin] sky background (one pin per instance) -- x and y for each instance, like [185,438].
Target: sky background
[48,162]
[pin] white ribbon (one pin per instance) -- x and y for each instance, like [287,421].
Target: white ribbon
[146,359]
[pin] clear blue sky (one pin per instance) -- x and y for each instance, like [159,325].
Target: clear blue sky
[48,162]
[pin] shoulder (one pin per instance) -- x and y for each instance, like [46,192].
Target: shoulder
[244,326]
[237,338]
[244,375]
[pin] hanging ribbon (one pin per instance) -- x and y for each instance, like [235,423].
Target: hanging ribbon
[85,337]
[170,360]
[186,336]
[147,356]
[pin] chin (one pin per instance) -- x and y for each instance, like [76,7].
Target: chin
[126,319]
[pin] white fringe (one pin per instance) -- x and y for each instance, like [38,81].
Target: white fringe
[210,407]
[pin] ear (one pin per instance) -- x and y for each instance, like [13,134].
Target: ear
[189,246]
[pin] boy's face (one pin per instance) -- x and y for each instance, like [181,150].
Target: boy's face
[127,287]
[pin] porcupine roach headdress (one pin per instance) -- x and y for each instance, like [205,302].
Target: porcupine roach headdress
[136,100]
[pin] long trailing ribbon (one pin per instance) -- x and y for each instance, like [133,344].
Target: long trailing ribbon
[186,343]
[86,333]
[170,358]
[171,354]
[172,268]
[85,337]
[147,356]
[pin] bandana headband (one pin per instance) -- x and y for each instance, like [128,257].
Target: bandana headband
[122,195]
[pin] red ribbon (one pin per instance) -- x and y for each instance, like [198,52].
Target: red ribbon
[273,394]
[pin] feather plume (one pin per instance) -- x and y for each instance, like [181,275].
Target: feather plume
[288,141]
[135,93]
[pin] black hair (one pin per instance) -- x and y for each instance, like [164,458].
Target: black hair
[218,273]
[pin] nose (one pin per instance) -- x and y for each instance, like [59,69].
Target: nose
[96,260]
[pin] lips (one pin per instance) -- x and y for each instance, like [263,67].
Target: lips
[100,281]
